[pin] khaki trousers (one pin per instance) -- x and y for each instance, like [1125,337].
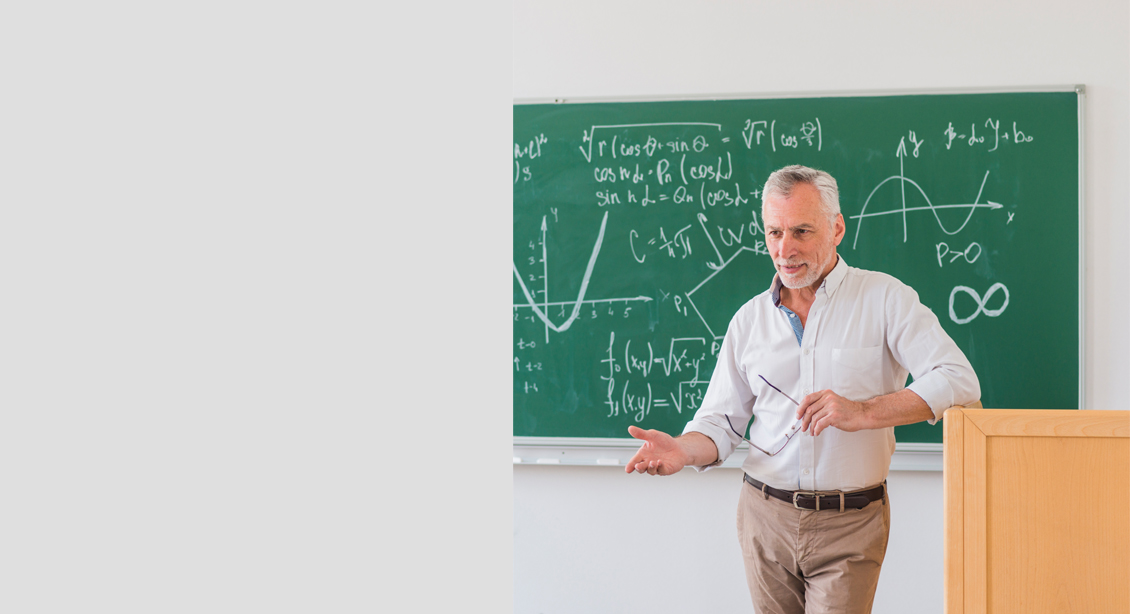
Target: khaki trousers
[806,562]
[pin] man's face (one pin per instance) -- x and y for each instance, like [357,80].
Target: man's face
[801,240]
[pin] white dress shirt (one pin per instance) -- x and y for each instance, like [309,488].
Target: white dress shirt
[865,332]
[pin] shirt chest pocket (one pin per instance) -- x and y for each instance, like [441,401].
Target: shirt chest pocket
[857,373]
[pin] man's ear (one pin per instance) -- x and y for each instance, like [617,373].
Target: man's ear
[839,229]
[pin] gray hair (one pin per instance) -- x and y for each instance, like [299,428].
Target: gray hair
[782,182]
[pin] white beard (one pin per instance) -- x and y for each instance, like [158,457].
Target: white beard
[810,276]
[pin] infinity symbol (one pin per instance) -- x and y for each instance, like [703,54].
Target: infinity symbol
[992,313]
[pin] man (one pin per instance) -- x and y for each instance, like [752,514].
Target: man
[813,514]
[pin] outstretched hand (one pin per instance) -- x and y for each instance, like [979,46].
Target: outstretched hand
[660,453]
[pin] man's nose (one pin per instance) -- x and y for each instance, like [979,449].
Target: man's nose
[786,246]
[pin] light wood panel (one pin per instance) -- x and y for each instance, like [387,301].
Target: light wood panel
[1066,550]
[1051,422]
[1037,511]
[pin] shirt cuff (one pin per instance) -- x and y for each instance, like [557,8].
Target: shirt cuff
[936,391]
[721,441]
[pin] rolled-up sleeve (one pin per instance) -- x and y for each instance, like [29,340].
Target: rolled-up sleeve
[728,394]
[943,376]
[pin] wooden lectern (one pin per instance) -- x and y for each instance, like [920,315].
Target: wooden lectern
[1037,511]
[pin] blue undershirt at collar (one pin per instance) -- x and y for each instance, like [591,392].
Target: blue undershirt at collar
[794,320]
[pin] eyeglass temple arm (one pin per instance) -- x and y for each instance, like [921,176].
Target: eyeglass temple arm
[758,448]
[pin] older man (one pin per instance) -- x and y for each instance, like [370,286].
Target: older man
[813,514]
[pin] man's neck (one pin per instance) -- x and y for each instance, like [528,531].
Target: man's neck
[799,300]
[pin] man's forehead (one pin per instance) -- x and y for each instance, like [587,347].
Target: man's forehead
[792,214]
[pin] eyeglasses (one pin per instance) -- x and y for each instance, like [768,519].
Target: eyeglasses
[788,436]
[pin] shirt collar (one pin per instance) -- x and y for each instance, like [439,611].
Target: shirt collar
[830,284]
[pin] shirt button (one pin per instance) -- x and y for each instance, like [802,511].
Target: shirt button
[806,472]
[806,391]
[806,351]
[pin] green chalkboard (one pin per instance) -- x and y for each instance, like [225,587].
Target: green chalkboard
[637,237]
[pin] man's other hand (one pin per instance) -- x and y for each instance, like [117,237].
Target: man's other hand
[825,408]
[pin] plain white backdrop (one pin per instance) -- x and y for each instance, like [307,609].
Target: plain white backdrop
[247,325]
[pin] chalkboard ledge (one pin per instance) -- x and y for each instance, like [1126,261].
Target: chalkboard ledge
[597,452]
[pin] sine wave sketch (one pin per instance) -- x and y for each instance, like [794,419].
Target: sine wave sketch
[903,179]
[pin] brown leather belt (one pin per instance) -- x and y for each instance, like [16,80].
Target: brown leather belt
[822,499]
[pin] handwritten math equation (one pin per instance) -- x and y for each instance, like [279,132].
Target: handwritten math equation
[629,376]
[991,135]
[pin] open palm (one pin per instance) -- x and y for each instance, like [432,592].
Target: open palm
[660,454]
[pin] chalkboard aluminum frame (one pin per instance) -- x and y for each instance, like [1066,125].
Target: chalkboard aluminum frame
[909,456]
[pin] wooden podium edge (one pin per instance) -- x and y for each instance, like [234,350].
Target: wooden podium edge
[952,503]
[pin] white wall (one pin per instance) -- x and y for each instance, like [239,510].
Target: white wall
[233,260]
[596,540]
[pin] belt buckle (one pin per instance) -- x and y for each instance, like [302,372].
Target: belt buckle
[816,495]
[807,493]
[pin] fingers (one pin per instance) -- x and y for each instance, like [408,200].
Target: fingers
[650,467]
[806,410]
[809,407]
[809,412]
[825,409]
[816,421]
[801,409]
[637,432]
[637,463]
[819,423]
[640,463]
[819,417]
[809,423]
[642,466]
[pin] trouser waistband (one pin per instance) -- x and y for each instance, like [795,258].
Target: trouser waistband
[822,499]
